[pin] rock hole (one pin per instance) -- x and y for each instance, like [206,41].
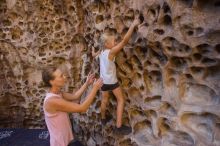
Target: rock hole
[186,48]
[167,20]
[178,62]
[99,19]
[146,24]
[188,3]
[196,70]
[197,57]
[189,76]
[190,32]
[138,127]
[217,48]
[153,12]
[135,61]
[208,61]
[166,8]
[199,30]
[141,18]
[203,48]
[159,31]
[153,101]
[217,4]
[172,82]
[57,27]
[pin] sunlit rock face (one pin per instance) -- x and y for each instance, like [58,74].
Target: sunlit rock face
[169,71]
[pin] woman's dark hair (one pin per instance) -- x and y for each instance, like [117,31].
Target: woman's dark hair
[47,75]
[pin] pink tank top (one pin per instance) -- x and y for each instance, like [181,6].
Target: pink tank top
[58,125]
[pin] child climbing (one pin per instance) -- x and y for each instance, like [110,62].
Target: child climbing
[108,73]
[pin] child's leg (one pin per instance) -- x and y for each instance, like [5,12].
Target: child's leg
[120,105]
[104,103]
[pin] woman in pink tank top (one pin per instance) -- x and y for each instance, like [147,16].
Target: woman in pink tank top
[58,104]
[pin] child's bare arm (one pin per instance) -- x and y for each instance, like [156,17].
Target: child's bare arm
[94,54]
[125,40]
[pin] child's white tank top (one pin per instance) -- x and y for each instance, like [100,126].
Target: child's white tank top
[107,68]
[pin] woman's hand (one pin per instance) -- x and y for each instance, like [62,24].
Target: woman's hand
[90,78]
[98,84]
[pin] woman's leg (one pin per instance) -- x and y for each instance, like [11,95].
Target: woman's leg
[120,105]
[104,103]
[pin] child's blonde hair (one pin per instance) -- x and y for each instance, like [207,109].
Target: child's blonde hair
[103,39]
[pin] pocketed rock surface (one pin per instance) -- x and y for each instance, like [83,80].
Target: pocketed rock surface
[169,71]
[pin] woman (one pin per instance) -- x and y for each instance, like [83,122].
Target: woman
[58,104]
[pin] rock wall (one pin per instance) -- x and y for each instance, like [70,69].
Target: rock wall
[169,71]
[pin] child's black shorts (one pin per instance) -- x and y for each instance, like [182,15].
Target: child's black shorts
[109,87]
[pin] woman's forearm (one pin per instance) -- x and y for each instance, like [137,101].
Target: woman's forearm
[79,93]
[85,105]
